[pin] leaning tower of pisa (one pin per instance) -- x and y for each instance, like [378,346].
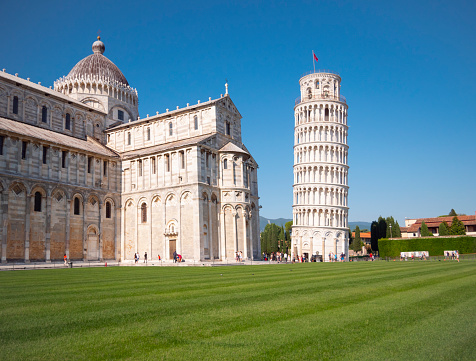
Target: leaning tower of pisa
[320,208]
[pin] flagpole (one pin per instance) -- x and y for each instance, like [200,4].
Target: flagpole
[313,63]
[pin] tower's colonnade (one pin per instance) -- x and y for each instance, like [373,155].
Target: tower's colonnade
[320,190]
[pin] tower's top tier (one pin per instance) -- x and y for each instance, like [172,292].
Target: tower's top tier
[320,85]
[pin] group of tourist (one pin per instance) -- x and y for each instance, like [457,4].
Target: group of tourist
[137,257]
[454,255]
[334,258]
[177,257]
[276,256]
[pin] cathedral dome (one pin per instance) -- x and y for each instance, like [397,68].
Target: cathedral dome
[97,65]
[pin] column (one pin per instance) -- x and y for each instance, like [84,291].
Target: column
[100,244]
[27,228]
[67,233]
[210,232]
[4,222]
[245,243]
[222,238]
[48,228]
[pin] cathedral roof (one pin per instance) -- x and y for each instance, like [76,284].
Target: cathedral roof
[98,66]
[63,140]
[202,139]
[232,148]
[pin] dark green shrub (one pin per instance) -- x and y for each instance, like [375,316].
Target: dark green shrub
[434,245]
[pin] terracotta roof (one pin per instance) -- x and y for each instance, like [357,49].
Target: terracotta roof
[165,146]
[363,235]
[435,222]
[87,145]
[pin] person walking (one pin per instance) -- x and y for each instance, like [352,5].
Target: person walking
[65,258]
[145,257]
[175,256]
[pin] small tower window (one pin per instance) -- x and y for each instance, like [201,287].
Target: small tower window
[225,164]
[148,133]
[227,128]
[24,146]
[139,165]
[171,129]
[76,206]
[182,159]
[1,144]
[90,161]
[108,209]
[45,155]
[309,93]
[67,124]
[37,202]
[143,210]
[15,105]
[128,138]
[326,114]
[167,162]
[154,169]
[120,115]
[64,155]
[104,168]
[195,122]
[44,114]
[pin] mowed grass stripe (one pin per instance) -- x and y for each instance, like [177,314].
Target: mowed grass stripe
[168,310]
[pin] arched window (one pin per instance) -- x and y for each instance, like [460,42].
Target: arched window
[15,105]
[76,206]
[317,84]
[225,164]
[148,133]
[171,129]
[326,114]
[108,209]
[143,211]
[37,202]
[195,122]
[309,93]
[44,114]
[128,138]
[67,124]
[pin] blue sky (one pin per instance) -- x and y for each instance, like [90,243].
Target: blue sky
[407,71]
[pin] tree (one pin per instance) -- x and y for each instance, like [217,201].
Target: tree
[424,231]
[357,242]
[397,233]
[452,213]
[374,235]
[382,228]
[443,229]
[457,227]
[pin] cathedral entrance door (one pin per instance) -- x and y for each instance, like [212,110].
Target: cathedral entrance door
[92,247]
[172,248]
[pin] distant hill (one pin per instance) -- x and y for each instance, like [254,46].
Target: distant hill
[362,225]
[263,221]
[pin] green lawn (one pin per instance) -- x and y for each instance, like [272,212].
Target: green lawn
[361,310]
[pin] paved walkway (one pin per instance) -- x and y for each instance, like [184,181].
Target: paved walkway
[85,264]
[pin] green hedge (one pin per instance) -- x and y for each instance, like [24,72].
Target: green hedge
[434,245]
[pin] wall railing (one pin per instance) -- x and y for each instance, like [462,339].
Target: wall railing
[324,96]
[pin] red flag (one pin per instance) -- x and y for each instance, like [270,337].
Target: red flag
[315,57]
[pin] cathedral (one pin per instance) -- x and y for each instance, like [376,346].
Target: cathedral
[82,174]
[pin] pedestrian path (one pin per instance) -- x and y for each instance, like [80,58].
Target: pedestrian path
[85,264]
